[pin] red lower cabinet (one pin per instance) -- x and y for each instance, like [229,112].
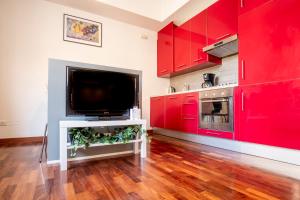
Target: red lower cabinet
[173,112]
[226,135]
[190,112]
[270,114]
[157,114]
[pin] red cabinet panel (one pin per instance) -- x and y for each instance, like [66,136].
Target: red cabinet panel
[157,114]
[165,50]
[190,104]
[247,5]
[226,135]
[198,38]
[270,114]
[190,112]
[173,112]
[269,43]
[222,19]
[182,38]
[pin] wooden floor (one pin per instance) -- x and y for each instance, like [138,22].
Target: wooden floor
[174,169]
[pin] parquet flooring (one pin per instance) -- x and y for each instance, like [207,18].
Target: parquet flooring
[174,169]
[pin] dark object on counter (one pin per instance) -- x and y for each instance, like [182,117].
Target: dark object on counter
[171,89]
[209,80]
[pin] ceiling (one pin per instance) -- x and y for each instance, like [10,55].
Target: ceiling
[157,10]
[149,14]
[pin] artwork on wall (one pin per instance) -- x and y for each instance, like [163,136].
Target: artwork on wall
[82,31]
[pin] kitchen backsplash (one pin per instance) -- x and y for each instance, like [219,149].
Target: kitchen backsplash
[225,73]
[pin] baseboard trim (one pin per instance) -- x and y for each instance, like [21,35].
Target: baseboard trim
[21,141]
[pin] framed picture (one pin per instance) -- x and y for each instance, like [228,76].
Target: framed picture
[82,31]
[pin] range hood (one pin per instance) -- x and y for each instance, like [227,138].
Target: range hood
[223,48]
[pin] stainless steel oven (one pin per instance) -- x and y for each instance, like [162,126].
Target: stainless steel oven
[216,109]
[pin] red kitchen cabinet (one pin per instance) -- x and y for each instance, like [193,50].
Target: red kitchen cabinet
[199,40]
[213,133]
[222,20]
[157,114]
[182,38]
[269,43]
[173,112]
[165,51]
[190,112]
[270,114]
[247,5]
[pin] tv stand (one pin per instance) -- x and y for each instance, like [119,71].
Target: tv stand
[65,125]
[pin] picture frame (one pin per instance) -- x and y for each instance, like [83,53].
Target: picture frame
[82,31]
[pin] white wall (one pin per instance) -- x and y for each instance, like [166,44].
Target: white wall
[225,73]
[31,32]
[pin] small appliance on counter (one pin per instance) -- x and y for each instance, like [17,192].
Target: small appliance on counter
[186,87]
[209,80]
[171,89]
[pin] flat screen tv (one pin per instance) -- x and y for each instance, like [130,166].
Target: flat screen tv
[104,94]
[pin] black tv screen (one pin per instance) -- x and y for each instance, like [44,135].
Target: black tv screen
[100,93]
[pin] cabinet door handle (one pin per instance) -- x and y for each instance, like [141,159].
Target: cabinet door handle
[242,4]
[172,97]
[165,70]
[243,69]
[213,133]
[180,66]
[190,95]
[189,118]
[197,60]
[189,103]
[243,102]
[221,37]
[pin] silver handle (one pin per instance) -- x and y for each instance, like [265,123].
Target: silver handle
[210,101]
[189,118]
[213,133]
[197,60]
[181,66]
[221,37]
[242,3]
[243,103]
[162,71]
[243,69]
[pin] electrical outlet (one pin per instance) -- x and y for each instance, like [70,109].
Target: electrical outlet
[3,123]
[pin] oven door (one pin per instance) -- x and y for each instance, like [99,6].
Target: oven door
[216,114]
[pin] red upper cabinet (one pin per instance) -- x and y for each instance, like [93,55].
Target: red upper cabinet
[173,112]
[165,51]
[182,38]
[269,43]
[222,19]
[270,114]
[157,114]
[247,5]
[190,112]
[198,38]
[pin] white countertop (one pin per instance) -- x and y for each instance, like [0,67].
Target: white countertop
[203,89]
